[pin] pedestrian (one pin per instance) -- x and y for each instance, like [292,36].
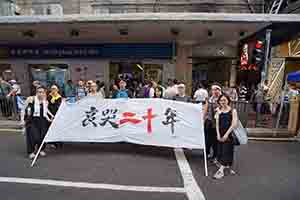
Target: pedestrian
[158,92]
[226,121]
[70,91]
[5,89]
[230,91]
[243,92]
[152,87]
[54,102]
[172,89]
[181,96]
[94,91]
[15,88]
[123,92]
[201,94]
[80,90]
[114,91]
[37,118]
[146,89]
[210,123]
[258,103]
[35,84]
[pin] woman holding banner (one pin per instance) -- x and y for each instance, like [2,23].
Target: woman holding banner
[37,118]
[226,121]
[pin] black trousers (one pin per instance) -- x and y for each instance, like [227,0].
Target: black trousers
[210,138]
[36,130]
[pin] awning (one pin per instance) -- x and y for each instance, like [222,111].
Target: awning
[187,28]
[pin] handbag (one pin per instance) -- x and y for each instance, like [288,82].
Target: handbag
[235,140]
[240,133]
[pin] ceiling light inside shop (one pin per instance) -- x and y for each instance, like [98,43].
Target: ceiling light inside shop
[8,71]
[140,67]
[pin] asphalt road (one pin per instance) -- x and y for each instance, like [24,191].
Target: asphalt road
[266,171]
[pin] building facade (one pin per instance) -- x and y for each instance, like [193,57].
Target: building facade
[204,51]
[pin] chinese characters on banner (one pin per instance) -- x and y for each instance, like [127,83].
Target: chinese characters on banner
[109,115]
[143,121]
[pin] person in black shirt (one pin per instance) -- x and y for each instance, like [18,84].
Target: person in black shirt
[54,101]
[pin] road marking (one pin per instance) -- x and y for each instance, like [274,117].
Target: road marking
[193,191]
[92,185]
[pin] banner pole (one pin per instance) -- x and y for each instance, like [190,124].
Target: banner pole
[205,160]
[39,150]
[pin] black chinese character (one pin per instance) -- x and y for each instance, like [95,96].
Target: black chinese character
[108,115]
[90,117]
[170,118]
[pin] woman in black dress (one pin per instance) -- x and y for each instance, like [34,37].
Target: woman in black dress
[226,121]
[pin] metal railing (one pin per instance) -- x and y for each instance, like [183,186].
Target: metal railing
[10,107]
[262,115]
[251,114]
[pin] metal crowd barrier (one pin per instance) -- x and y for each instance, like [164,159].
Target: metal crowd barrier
[262,115]
[10,107]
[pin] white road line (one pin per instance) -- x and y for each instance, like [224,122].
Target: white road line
[192,189]
[92,185]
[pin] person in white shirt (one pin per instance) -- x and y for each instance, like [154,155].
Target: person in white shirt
[201,95]
[152,86]
[94,92]
[16,89]
[172,89]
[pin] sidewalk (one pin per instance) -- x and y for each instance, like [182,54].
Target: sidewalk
[10,124]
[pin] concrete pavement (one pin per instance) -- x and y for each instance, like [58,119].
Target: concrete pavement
[266,170]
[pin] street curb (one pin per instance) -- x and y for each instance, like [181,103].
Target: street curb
[289,139]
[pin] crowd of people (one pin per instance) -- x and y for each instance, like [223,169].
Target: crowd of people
[219,117]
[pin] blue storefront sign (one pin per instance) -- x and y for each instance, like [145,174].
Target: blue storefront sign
[159,51]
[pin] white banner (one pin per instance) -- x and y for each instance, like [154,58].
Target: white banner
[154,122]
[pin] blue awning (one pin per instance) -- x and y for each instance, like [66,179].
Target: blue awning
[293,77]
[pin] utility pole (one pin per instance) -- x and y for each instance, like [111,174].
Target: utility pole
[267,56]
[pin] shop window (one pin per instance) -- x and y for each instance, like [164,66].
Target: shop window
[49,74]
[6,72]
[100,10]
[47,9]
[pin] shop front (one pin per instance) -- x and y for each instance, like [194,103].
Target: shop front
[154,46]
[55,64]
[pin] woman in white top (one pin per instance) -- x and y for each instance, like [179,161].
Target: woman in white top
[93,91]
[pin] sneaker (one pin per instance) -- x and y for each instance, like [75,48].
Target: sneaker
[53,146]
[32,156]
[42,153]
[232,172]
[219,174]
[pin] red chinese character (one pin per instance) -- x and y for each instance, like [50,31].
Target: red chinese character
[128,118]
[149,118]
